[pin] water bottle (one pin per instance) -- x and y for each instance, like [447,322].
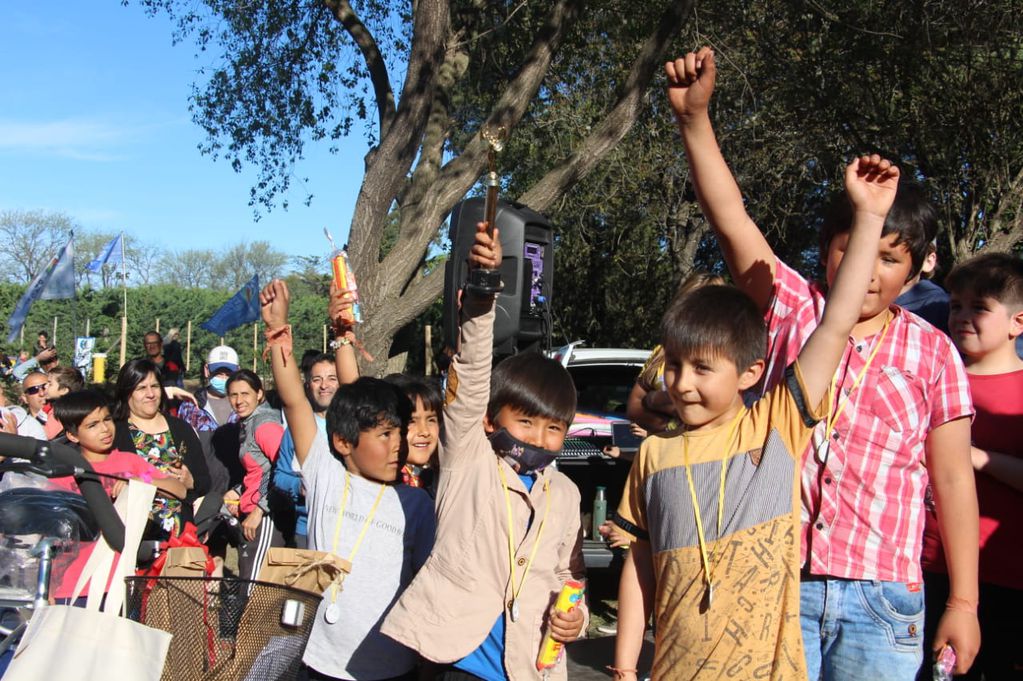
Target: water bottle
[599,510]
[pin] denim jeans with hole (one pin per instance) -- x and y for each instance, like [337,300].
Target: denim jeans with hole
[857,629]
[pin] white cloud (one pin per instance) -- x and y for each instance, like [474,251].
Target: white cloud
[79,139]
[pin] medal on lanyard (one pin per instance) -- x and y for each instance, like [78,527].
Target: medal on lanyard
[513,607]
[708,575]
[333,611]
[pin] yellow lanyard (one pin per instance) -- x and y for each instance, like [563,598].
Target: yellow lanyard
[835,410]
[708,575]
[362,533]
[511,539]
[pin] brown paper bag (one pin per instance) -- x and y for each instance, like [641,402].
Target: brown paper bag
[185,561]
[312,571]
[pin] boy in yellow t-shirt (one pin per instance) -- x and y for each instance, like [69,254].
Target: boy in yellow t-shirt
[714,507]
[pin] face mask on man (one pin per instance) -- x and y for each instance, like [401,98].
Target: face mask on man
[219,384]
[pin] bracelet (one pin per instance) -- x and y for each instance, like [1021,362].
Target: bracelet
[340,342]
[281,336]
[961,604]
[619,673]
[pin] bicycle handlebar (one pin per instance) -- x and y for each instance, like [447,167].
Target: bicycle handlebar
[56,459]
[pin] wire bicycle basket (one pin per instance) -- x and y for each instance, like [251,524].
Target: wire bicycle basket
[225,629]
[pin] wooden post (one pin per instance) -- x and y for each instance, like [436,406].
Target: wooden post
[188,346]
[255,344]
[428,351]
[124,340]
[88,326]
[324,338]
[158,325]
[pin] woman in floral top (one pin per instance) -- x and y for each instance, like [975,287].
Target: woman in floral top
[166,442]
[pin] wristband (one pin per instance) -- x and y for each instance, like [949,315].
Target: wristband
[342,337]
[281,336]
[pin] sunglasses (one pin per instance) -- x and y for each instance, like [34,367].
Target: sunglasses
[35,389]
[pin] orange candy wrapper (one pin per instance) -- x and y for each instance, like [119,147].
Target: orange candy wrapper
[551,651]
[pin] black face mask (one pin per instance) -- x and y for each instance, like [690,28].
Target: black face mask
[522,457]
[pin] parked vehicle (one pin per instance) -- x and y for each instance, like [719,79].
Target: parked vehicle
[603,379]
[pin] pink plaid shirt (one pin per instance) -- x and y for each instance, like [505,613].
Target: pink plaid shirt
[863,512]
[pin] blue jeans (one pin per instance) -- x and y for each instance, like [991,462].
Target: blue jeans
[855,629]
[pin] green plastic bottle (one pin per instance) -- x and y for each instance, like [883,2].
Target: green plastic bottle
[599,511]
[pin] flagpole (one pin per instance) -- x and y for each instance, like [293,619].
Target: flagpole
[74,299]
[124,308]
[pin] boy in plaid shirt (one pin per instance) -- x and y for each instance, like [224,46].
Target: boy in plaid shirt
[899,415]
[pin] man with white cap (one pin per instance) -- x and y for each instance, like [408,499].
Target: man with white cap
[212,409]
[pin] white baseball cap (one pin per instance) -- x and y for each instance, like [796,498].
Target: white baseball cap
[222,357]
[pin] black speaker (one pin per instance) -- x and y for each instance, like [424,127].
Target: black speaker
[527,270]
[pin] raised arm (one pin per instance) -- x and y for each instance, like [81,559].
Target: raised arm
[274,301]
[468,384]
[345,362]
[747,253]
[871,183]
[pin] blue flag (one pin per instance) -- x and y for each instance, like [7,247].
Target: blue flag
[56,280]
[242,308]
[110,255]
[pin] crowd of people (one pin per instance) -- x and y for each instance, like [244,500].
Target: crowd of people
[830,487]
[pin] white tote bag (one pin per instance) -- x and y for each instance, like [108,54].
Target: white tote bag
[92,643]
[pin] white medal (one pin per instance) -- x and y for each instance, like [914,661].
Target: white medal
[332,614]
[515,610]
[708,598]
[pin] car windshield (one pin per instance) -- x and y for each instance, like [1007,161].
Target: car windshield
[604,388]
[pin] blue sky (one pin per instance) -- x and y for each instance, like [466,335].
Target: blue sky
[95,124]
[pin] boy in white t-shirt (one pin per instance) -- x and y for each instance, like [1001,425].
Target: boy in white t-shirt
[355,510]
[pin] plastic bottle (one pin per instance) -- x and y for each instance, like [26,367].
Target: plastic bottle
[599,510]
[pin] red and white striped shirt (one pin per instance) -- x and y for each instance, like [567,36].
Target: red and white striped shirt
[863,511]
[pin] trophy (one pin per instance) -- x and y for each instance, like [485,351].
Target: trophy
[481,281]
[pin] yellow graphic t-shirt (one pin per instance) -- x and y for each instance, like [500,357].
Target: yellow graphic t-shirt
[751,629]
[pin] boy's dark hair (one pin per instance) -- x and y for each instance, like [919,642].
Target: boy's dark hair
[718,319]
[72,408]
[533,384]
[425,389]
[364,404]
[128,378]
[912,216]
[990,275]
[68,377]
[247,375]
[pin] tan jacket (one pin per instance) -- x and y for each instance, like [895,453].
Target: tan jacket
[459,593]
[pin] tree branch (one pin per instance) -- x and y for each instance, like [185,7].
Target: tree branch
[618,121]
[388,165]
[367,44]
[459,174]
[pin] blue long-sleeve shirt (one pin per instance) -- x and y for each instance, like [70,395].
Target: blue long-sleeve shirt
[289,480]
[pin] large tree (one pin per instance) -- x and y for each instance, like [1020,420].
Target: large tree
[295,72]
